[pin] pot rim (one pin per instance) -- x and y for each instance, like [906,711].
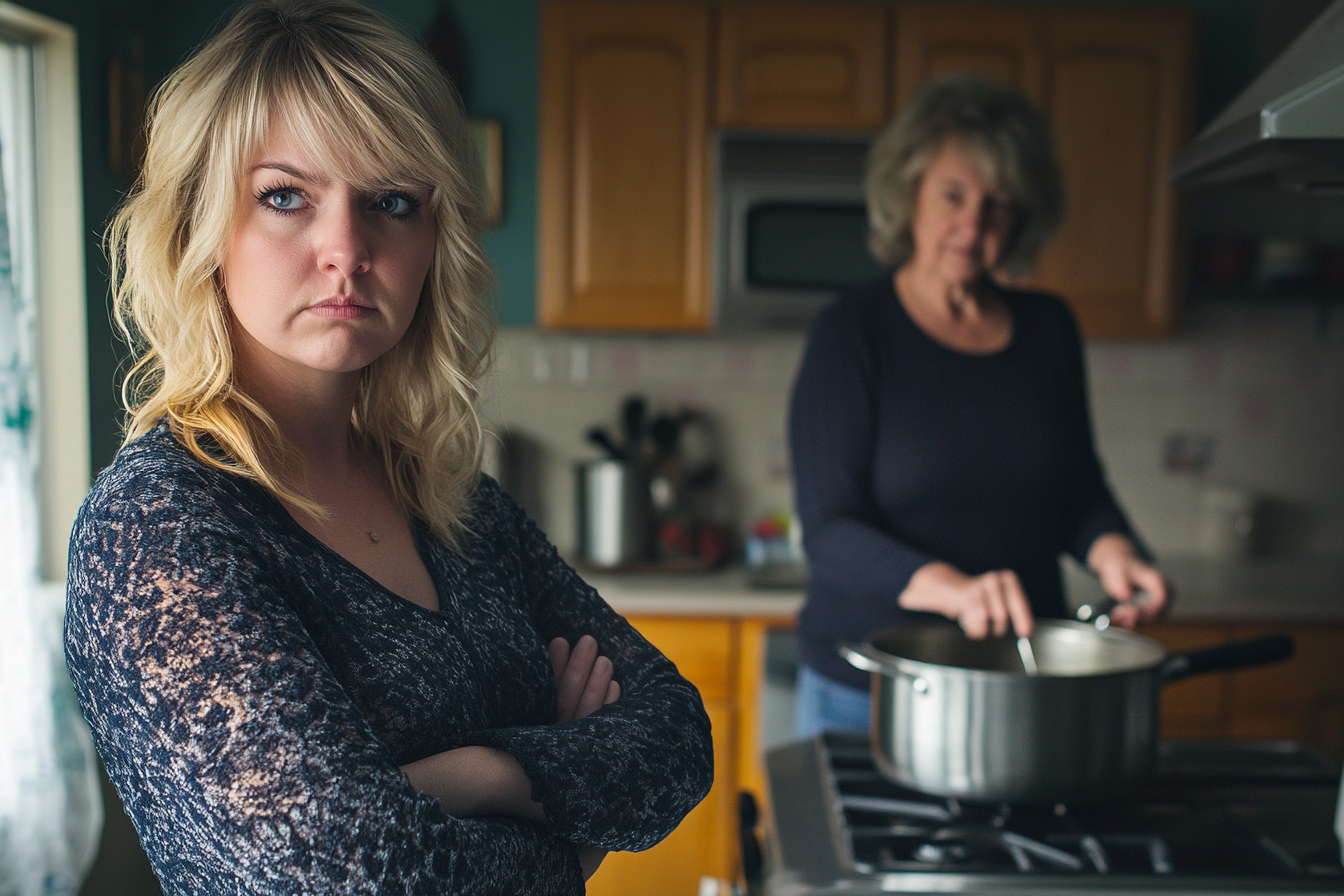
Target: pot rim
[912,668]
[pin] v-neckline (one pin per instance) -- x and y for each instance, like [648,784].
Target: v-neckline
[417,538]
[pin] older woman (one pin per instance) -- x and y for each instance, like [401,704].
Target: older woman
[942,448]
[318,650]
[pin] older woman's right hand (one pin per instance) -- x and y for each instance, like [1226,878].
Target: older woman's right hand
[982,605]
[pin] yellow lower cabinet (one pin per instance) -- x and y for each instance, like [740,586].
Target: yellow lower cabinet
[705,844]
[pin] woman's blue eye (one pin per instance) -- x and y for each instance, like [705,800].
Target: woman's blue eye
[396,205]
[284,199]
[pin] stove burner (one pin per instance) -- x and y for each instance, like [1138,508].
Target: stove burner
[1154,847]
[941,853]
[1183,830]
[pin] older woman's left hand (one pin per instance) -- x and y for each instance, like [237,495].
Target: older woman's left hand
[1123,573]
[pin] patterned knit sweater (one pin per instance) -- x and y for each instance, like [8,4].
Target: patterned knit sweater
[252,695]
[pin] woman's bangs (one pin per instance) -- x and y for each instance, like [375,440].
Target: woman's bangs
[368,147]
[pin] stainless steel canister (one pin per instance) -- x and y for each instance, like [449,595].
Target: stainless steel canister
[614,518]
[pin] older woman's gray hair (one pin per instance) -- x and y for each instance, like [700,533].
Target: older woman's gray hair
[1000,128]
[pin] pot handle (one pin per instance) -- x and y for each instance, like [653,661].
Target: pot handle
[1237,655]
[868,659]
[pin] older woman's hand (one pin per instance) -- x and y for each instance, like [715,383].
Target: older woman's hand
[1123,573]
[983,605]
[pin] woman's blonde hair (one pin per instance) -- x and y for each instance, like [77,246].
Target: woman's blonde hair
[1000,128]
[373,109]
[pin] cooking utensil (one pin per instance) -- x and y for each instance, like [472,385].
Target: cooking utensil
[958,718]
[1027,654]
[599,436]
[1099,615]
[632,423]
[666,481]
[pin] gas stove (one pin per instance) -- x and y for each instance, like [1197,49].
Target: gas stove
[1215,817]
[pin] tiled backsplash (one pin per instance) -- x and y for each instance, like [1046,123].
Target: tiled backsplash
[1262,385]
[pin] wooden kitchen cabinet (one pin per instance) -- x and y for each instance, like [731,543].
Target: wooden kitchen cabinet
[624,222]
[724,658]
[1301,699]
[1001,43]
[624,202]
[802,65]
[1196,708]
[1117,87]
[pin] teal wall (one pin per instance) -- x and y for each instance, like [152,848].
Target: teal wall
[1236,38]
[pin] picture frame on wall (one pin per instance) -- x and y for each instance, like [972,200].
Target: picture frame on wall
[489,138]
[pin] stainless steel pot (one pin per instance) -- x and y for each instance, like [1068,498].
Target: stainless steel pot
[960,718]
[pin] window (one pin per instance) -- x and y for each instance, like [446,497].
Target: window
[50,808]
[40,161]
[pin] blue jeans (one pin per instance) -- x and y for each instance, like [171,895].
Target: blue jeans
[826,705]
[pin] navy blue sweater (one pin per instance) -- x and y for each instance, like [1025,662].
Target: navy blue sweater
[252,695]
[906,452]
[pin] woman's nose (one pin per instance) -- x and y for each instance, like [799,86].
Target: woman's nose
[345,242]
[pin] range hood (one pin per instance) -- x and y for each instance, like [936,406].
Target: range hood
[1288,124]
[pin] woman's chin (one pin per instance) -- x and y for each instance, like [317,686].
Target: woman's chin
[348,355]
[963,273]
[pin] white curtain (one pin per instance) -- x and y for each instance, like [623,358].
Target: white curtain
[50,808]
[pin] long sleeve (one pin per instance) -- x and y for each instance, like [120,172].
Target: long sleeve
[907,451]
[1095,511]
[239,755]
[623,777]
[832,437]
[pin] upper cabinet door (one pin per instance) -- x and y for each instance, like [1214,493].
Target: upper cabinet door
[1116,86]
[1000,43]
[790,65]
[1118,95]
[623,241]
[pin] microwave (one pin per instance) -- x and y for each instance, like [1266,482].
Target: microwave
[791,228]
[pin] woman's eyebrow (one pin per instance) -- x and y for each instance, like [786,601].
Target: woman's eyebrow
[291,171]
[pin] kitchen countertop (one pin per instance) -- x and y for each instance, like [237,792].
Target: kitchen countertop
[1282,590]
[1206,591]
[725,592]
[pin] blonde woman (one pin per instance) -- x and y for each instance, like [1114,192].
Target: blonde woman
[942,446]
[318,650]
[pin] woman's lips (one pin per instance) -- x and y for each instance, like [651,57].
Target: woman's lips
[341,309]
